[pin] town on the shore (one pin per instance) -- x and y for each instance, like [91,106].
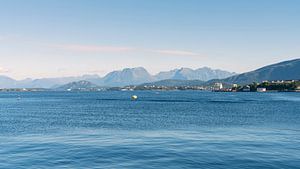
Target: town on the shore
[275,86]
[265,86]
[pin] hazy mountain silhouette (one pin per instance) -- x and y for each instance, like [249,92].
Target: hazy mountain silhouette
[203,74]
[127,76]
[133,76]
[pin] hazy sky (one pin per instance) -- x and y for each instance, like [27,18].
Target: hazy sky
[49,38]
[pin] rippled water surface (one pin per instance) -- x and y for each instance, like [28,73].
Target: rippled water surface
[179,129]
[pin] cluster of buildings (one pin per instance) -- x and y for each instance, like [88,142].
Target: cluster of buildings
[278,85]
[21,89]
[161,87]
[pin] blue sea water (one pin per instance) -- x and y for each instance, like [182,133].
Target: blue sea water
[171,129]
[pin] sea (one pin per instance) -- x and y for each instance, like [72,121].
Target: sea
[161,129]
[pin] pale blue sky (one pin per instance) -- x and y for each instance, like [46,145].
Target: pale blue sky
[49,38]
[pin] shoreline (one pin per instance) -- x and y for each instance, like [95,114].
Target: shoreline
[87,90]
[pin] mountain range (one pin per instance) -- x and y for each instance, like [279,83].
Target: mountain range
[203,74]
[127,76]
[174,82]
[286,70]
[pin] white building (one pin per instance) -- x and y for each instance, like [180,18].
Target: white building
[218,86]
[261,89]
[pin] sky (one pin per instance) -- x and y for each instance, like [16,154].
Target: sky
[53,38]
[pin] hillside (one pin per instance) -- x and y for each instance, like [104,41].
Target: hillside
[287,70]
[78,86]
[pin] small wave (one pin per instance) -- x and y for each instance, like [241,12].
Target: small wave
[111,99]
[148,100]
[287,98]
[227,101]
[160,100]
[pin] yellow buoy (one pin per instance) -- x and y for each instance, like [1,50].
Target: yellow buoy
[134,97]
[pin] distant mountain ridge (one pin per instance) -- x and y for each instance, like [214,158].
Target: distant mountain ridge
[203,74]
[127,76]
[174,82]
[7,82]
